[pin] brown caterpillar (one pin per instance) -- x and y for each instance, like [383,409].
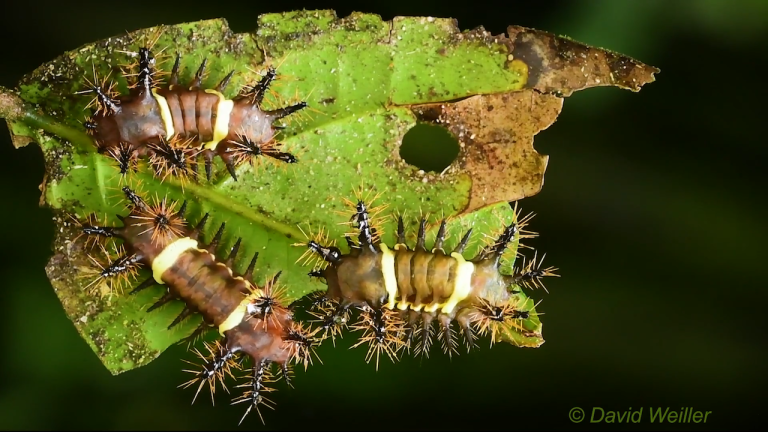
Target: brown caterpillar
[174,125]
[252,320]
[399,288]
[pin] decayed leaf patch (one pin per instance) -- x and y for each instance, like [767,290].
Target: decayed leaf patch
[495,133]
[560,65]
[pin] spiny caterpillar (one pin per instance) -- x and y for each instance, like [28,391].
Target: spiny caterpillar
[400,291]
[252,320]
[173,125]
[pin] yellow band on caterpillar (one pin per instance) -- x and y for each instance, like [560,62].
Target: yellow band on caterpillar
[462,283]
[165,114]
[168,257]
[388,269]
[221,128]
[237,315]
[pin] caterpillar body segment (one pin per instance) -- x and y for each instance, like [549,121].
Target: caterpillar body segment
[173,125]
[252,320]
[409,297]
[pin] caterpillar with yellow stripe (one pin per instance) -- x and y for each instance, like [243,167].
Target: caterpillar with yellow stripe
[252,320]
[400,291]
[174,125]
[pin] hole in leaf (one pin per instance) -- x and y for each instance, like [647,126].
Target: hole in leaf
[429,147]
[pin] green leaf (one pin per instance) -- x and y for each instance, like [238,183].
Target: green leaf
[367,82]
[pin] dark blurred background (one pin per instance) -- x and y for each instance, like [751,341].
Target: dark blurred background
[651,208]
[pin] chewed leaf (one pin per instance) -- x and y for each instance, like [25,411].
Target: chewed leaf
[365,81]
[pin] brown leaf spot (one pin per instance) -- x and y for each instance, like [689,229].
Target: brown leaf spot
[497,143]
[561,66]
